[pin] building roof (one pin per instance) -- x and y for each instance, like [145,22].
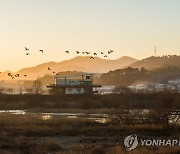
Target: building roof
[75,75]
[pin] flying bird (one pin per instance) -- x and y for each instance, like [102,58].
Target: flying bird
[67,52]
[54,72]
[49,68]
[95,54]
[102,53]
[25,75]
[57,74]
[83,52]
[105,56]
[87,53]
[77,52]
[41,51]
[26,49]
[27,54]
[9,74]
[91,57]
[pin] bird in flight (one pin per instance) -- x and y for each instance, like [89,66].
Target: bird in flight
[77,52]
[49,68]
[87,53]
[9,74]
[57,74]
[27,54]
[91,57]
[67,52]
[54,72]
[95,54]
[25,75]
[102,53]
[26,49]
[105,56]
[41,51]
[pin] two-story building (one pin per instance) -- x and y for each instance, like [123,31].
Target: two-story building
[74,84]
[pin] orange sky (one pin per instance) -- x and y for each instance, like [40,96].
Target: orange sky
[130,28]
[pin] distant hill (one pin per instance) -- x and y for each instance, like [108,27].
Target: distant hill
[84,64]
[157,62]
[130,76]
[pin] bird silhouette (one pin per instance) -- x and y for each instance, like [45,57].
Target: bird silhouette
[77,52]
[57,74]
[25,75]
[27,54]
[102,53]
[95,54]
[83,52]
[17,75]
[67,52]
[54,72]
[41,51]
[87,53]
[111,51]
[105,56]
[9,74]
[91,57]
[26,49]
[49,68]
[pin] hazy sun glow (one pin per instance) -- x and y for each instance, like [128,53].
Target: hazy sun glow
[129,27]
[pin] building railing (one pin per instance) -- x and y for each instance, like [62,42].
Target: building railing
[67,85]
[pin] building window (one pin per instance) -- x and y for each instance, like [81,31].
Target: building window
[88,77]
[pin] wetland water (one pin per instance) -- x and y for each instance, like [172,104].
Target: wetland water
[138,115]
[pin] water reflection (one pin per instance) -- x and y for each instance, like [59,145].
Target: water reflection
[18,112]
[139,115]
[46,117]
[101,120]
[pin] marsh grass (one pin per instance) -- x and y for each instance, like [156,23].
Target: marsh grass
[29,134]
[86,102]
[34,125]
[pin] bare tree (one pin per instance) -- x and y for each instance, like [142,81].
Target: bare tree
[167,110]
[37,86]
[2,90]
[9,91]
[29,90]
[20,90]
[122,90]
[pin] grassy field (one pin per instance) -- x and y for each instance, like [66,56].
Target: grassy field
[31,133]
[87,102]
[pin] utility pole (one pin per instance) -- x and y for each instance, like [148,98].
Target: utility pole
[155,51]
